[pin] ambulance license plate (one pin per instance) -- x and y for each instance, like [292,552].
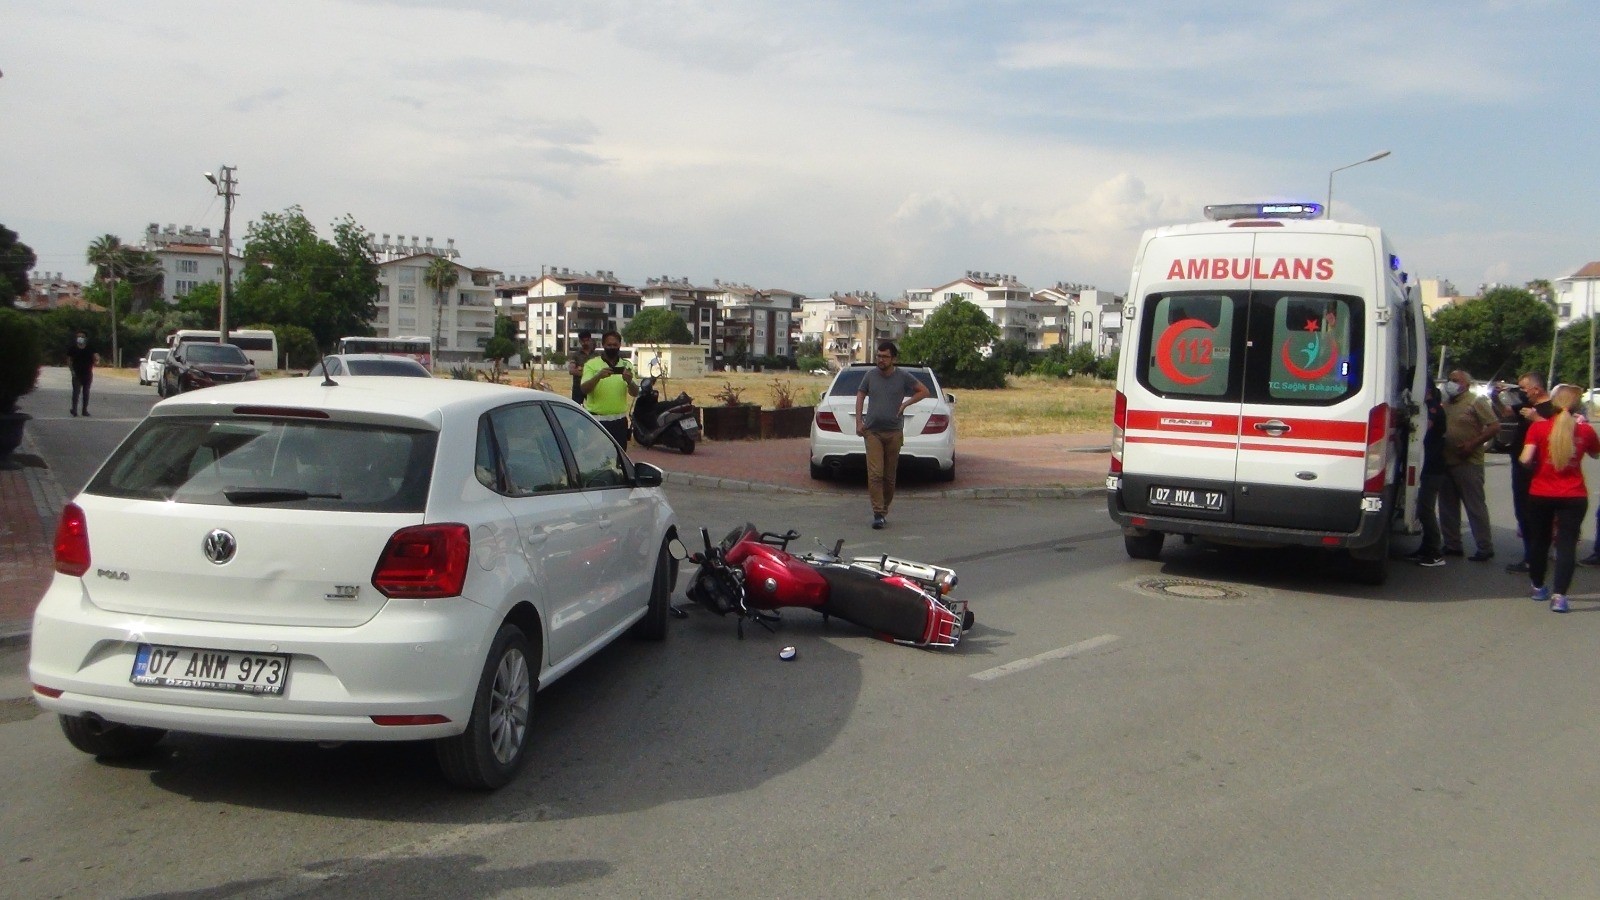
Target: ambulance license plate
[1188,498]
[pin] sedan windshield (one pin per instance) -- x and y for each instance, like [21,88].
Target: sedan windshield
[216,353]
[386,367]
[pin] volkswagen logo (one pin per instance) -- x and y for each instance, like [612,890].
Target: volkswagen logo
[219,546]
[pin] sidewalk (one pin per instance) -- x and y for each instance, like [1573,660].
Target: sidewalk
[1069,465]
[30,503]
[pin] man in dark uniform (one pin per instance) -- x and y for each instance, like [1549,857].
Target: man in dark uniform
[81,360]
[577,358]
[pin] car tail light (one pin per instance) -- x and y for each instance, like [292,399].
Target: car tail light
[1119,424]
[72,541]
[937,424]
[424,562]
[50,692]
[1377,461]
[827,421]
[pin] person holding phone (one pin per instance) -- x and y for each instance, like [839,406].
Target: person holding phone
[607,384]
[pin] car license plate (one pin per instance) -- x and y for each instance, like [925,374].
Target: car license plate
[210,670]
[1188,498]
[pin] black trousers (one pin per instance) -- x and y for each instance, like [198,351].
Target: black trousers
[1554,519]
[80,387]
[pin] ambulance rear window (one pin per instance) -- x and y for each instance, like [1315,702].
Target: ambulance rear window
[1252,347]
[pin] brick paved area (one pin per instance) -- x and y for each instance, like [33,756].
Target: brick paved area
[30,503]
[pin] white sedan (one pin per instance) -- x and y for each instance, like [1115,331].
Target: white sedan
[151,364]
[293,559]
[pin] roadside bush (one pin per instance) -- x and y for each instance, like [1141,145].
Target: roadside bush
[19,358]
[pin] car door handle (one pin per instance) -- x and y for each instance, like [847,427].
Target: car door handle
[1275,427]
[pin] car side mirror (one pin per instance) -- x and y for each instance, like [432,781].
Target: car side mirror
[950,398]
[648,475]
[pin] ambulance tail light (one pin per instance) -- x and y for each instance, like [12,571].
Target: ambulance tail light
[1377,462]
[1119,423]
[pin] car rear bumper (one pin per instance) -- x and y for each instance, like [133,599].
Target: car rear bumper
[413,658]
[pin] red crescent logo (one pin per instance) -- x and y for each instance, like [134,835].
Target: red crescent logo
[1309,374]
[1164,358]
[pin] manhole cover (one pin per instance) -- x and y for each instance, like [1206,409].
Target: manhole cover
[1195,589]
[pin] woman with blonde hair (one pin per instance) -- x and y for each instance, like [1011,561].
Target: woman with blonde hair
[1558,499]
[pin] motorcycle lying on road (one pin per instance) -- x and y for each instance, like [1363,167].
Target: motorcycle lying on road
[753,575]
[671,423]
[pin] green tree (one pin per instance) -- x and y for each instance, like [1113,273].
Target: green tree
[291,274]
[1488,336]
[440,275]
[16,260]
[1014,357]
[657,325]
[951,341]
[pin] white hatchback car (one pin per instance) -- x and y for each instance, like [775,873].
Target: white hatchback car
[151,363]
[930,427]
[289,560]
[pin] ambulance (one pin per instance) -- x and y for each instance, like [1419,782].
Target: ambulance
[1269,391]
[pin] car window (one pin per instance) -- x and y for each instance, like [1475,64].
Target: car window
[597,455]
[158,355]
[386,367]
[849,381]
[523,445]
[294,464]
[214,353]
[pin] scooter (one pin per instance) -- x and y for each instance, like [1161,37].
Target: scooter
[753,575]
[671,424]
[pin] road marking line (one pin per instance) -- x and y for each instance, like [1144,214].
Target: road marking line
[1011,668]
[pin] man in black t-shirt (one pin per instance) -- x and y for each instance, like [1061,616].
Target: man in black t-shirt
[1528,402]
[81,359]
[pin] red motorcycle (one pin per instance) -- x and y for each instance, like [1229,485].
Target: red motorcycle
[753,575]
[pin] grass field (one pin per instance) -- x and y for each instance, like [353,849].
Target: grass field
[1027,405]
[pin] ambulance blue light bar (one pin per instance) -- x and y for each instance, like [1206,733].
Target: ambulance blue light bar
[1228,211]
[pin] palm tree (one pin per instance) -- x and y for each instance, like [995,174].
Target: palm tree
[441,276]
[107,254]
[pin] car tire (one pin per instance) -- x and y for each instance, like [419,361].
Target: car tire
[686,445]
[1144,546]
[109,740]
[161,387]
[653,627]
[820,473]
[494,746]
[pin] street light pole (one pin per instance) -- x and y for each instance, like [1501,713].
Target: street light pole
[1327,211]
[224,188]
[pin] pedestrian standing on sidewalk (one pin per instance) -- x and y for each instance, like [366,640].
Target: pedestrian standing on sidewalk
[1432,476]
[1529,403]
[576,359]
[885,391]
[81,359]
[1558,499]
[1470,423]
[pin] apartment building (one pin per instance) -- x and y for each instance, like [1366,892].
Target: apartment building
[460,320]
[849,326]
[1081,314]
[189,257]
[550,310]
[752,320]
[1007,302]
[1576,294]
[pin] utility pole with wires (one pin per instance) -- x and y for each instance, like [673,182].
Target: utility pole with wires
[225,186]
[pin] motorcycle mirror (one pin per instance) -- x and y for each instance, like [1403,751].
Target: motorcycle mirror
[706,536]
[676,550]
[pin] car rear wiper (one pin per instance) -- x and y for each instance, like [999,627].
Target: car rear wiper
[244,496]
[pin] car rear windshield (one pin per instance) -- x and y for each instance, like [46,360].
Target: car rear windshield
[215,353]
[386,367]
[275,463]
[849,380]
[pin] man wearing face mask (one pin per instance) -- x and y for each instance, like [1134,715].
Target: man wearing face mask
[607,385]
[81,360]
[1470,423]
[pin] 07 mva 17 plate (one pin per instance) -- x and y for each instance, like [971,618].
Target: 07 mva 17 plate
[210,670]
[1188,498]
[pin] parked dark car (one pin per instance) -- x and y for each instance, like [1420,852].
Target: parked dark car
[194,365]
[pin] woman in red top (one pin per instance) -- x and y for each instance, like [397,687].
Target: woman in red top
[1557,495]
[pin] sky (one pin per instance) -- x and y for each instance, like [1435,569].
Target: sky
[816,147]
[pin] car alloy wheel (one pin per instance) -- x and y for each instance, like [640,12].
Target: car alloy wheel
[494,746]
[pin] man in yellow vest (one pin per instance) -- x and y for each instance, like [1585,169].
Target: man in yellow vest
[607,385]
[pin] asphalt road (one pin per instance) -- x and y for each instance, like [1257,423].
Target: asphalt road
[1214,724]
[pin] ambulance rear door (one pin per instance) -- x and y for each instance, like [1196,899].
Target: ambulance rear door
[1184,381]
[1306,404]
